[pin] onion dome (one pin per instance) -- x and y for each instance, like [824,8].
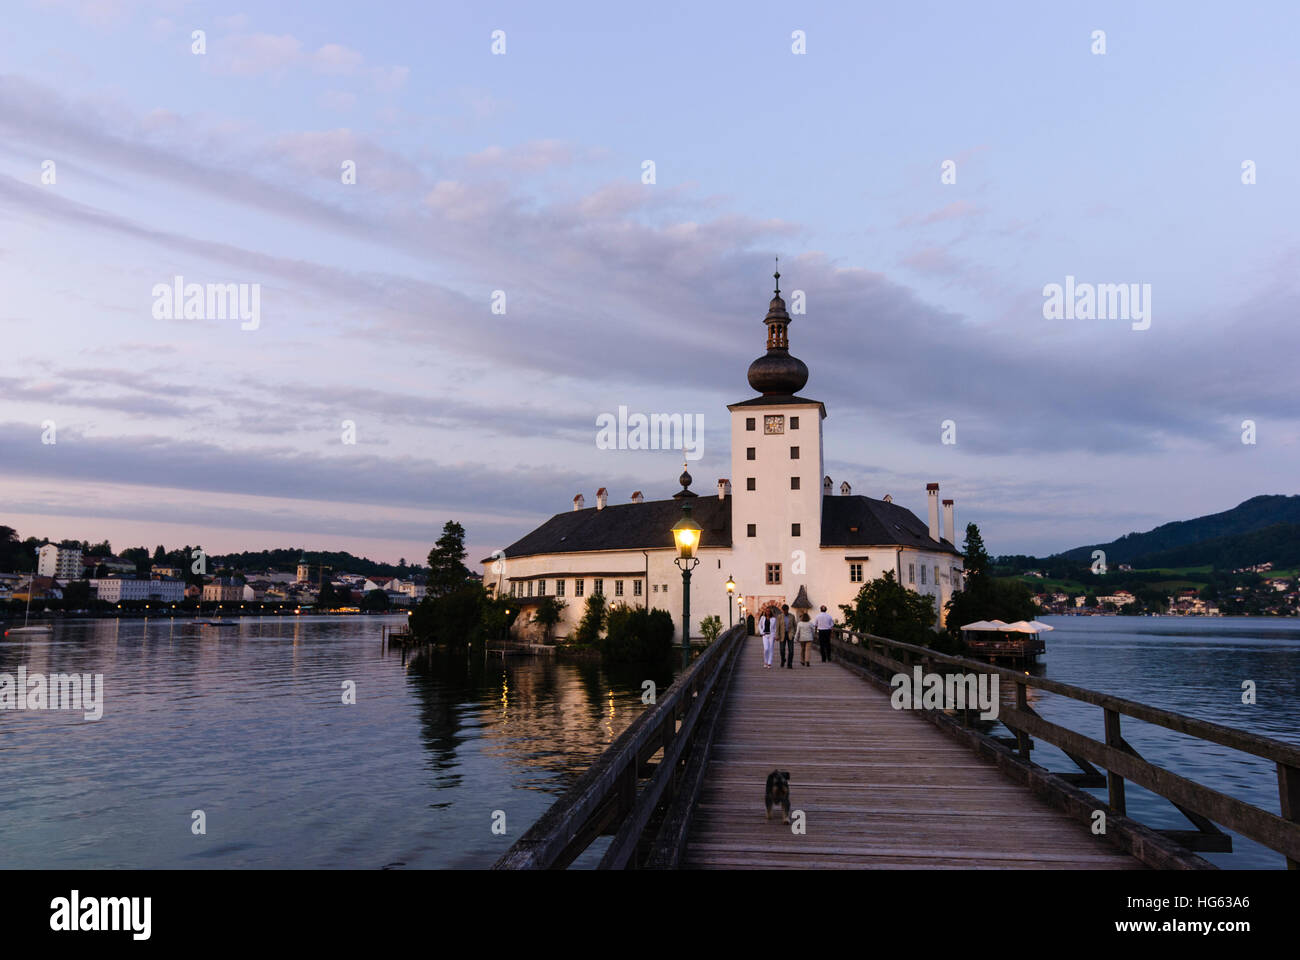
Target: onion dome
[776,373]
[685,481]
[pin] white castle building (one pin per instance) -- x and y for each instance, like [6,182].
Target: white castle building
[776,526]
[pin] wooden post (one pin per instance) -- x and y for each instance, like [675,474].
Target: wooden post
[1114,782]
[1022,704]
[1288,788]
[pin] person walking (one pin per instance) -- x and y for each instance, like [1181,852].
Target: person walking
[804,634]
[824,623]
[766,629]
[785,629]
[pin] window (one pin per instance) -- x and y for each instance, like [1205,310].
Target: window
[541,588]
[749,483]
[656,588]
[794,453]
[598,585]
[530,589]
[749,423]
[774,573]
[636,588]
[923,573]
[559,588]
[794,483]
[751,530]
[855,573]
[936,575]
[618,588]
[911,573]
[749,453]
[794,529]
[578,586]
[513,587]
[663,588]
[794,423]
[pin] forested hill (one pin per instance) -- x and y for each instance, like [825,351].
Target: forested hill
[1222,539]
[287,559]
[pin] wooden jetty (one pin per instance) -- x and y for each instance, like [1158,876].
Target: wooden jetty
[877,788]
[682,786]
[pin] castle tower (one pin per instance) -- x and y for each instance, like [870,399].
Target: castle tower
[776,467]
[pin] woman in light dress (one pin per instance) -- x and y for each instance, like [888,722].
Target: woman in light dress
[804,634]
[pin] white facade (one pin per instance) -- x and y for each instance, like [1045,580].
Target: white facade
[62,563]
[117,589]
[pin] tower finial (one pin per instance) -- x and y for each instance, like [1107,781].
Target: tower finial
[777,276]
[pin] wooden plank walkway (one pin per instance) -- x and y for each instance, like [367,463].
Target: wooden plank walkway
[880,788]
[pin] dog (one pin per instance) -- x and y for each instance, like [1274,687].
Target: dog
[778,794]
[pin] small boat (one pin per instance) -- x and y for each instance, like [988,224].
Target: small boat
[28,631]
[217,623]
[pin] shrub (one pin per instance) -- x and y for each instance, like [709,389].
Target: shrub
[637,635]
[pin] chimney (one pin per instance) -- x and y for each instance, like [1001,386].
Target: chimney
[724,488]
[637,497]
[578,502]
[932,496]
[826,486]
[950,522]
[602,497]
[845,489]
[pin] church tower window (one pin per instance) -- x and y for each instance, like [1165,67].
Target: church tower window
[794,483]
[794,453]
[794,529]
[751,529]
[749,483]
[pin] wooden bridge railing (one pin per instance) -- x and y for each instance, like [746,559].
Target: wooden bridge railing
[1203,806]
[644,804]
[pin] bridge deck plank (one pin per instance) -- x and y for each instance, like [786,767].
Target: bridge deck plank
[880,788]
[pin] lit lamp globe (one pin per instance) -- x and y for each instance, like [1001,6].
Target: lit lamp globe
[686,534]
[731,585]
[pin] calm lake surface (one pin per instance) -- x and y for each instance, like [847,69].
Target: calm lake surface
[248,725]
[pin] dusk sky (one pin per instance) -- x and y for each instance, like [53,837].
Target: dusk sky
[522,172]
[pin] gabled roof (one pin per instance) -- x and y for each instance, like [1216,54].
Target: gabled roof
[625,526]
[878,524]
[648,526]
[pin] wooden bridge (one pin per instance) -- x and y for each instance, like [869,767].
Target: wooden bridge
[879,788]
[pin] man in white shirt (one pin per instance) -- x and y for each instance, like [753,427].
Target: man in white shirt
[823,623]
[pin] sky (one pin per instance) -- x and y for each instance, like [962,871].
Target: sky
[500,273]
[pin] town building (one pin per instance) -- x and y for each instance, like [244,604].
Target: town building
[62,563]
[157,590]
[776,525]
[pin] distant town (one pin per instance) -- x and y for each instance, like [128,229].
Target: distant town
[79,577]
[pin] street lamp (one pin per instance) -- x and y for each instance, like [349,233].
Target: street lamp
[731,592]
[686,535]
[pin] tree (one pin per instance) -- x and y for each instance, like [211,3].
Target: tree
[975,557]
[447,570]
[592,622]
[710,627]
[886,608]
[376,601]
[159,554]
[549,612]
[327,598]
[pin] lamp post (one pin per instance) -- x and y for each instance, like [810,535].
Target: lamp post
[731,592]
[686,535]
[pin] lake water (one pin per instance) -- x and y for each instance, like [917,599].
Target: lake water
[248,726]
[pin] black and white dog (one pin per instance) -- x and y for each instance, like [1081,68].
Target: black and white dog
[778,794]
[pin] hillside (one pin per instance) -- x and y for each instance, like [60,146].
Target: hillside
[1278,544]
[1255,515]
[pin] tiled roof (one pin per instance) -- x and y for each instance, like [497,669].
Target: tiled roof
[625,526]
[648,525]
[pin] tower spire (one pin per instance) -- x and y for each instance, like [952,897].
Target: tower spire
[776,373]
